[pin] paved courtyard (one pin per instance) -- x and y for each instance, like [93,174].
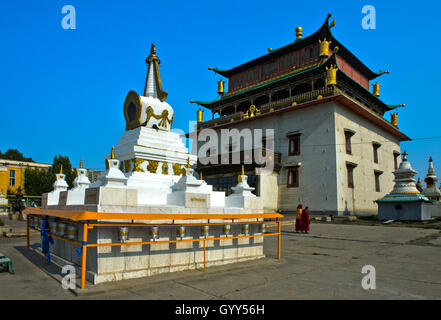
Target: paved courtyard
[325,264]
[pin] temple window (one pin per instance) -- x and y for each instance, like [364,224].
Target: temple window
[350,173]
[377,175]
[12,178]
[293,178]
[294,145]
[375,146]
[252,75]
[348,137]
[288,61]
[269,69]
[396,157]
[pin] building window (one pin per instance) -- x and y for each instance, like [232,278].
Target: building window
[396,155]
[348,137]
[12,178]
[375,146]
[350,173]
[377,175]
[293,178]
[294,145]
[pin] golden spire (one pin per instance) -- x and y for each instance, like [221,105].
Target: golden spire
[61,169]
[81,163]
[155,88]
[243,170]
[112,154]
[201,175]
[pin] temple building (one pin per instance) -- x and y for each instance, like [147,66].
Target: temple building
[334,150]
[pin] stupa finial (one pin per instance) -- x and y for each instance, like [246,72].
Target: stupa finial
[188,163]
[81,163]
[404,154]
[153,84]
[61,169]
[112,153]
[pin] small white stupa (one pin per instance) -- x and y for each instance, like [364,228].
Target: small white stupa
[431,191]
[76,195]
[405,202]
[60,185]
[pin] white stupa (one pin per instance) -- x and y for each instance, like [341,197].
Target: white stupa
[431,191]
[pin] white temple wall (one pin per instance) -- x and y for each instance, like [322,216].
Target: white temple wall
[360,199]
[317,173]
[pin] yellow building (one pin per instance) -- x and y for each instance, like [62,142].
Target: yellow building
[12,173]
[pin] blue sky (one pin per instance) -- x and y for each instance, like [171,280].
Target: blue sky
[62,91]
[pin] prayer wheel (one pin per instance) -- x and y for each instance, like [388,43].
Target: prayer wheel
[262,228]
[72,232]
[54,227]
[180,232]
[227,229]
[61,229]
[205,231]
[40,222]
[245,229]
[154,232]
[123,233]
[31,222]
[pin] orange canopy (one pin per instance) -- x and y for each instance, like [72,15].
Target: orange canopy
[88,215]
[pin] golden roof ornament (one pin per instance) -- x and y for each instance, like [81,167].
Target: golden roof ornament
[81,163]
[270,49]
[200,115]
[220,87]
[112,153]
[61,169]
[394,119]
[331,75]
[376,89]
[153,60]
[299,33]
[324,48]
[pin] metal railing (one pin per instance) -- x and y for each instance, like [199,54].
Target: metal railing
[273,106]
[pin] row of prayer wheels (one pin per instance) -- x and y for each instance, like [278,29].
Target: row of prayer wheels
[61,228]
[123,232]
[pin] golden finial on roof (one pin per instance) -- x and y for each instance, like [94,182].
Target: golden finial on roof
[394,119]
[324,48]
[376,89]
[81,163]
[331,75]
[332,24]
[61,169]
[243,170]
[220,87]
[270,49]
[299,32]
[200,115]
[112,153]
[201,175]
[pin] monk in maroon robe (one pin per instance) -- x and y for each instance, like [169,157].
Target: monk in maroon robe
[304,220]
[298,218]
